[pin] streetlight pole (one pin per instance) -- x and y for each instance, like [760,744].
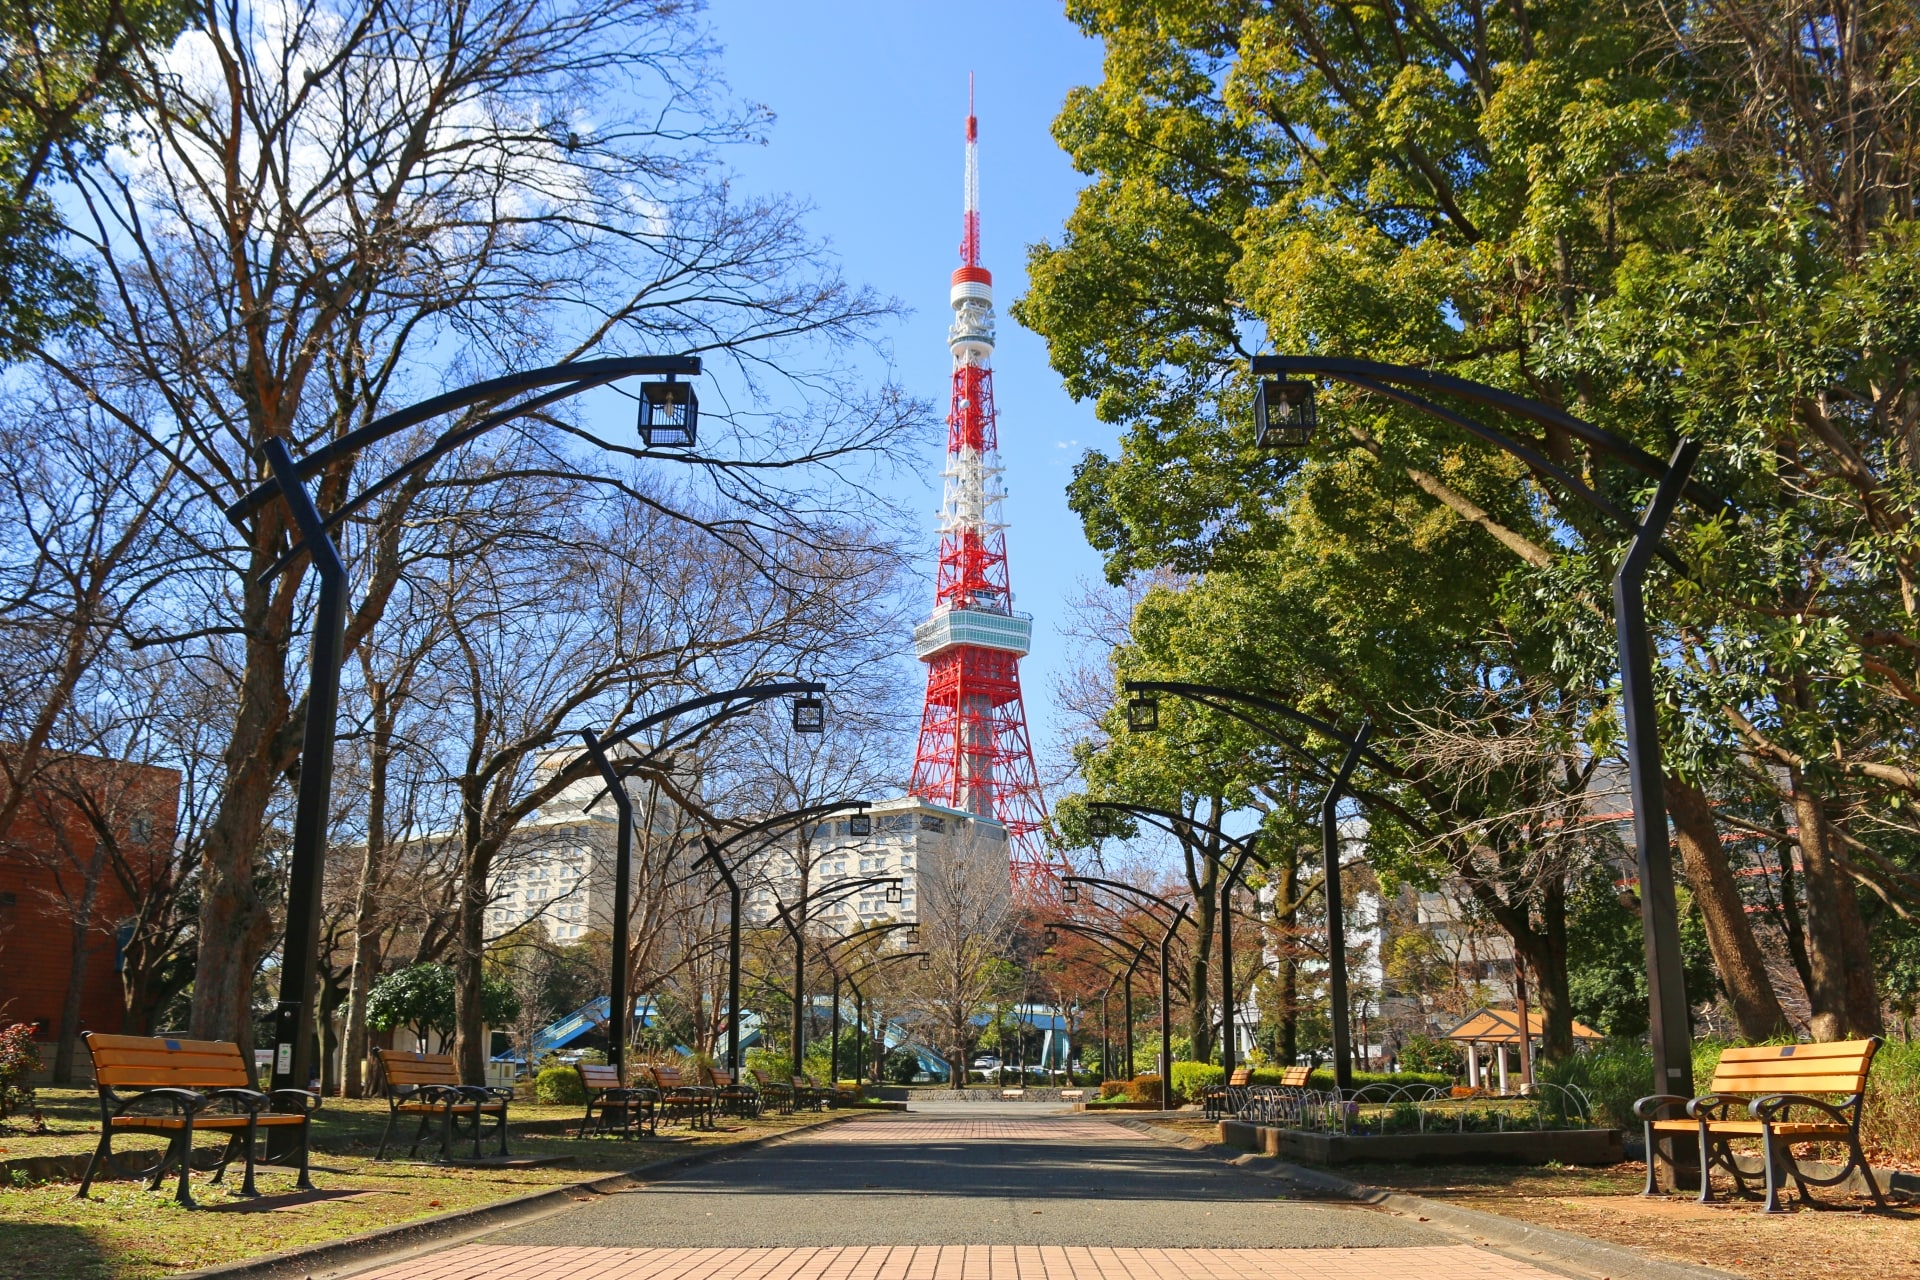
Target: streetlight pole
[1166,993]
[797,928]
[1671,1033]
[1107,941]
[732,703]
[717,855]
[293,1021]
[1143,691]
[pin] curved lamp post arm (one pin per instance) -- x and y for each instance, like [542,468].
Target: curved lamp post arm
[1223,698]
[577,375]
[1365,372]
[1119,886]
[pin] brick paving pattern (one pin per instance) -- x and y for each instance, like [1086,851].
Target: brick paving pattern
[982,1130]
[959,1262]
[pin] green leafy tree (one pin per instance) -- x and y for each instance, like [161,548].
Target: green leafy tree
[1593,207]
[420,998]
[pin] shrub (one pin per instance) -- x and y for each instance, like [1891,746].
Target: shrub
[19,1059]
[1432,1054]
[560,1085]
[1113,1088]
[1143,1089]
[1190,1079]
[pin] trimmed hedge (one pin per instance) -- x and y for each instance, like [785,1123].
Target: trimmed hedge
[1190,1079]
[560,1085]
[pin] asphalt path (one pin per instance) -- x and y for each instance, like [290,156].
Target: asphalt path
[927,1179]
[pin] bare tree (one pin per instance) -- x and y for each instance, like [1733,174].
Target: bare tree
[966,916]
[323,210]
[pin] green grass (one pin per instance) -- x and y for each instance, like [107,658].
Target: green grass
[124,1232]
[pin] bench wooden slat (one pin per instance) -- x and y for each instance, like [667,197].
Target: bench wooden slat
[1862,1049]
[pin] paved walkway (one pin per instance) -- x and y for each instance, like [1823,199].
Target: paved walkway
[964,1192]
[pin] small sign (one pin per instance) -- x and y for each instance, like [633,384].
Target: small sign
[283,1060]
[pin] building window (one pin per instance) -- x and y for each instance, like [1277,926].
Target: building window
[932,822]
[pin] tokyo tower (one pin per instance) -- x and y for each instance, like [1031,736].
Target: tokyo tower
[974,753]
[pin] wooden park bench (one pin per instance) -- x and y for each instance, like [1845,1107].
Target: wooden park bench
[735,1098]
[1772,1085]
[1229,1096]
[808,1093]
[780,1095]
[428,1085]
[1278,1104]
[622,1109]
[156,1084]
[680,1100]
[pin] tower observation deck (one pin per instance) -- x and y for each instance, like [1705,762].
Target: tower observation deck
[974,753]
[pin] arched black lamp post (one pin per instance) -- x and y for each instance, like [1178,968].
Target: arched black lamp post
[1242,847]
[734,702]
[1668,1023]
[1166,940]
[1108,941]
[826,957]
[1143,715]
[860,1001]
[1095,936]
[293,1022]
[795,915]
[726,868]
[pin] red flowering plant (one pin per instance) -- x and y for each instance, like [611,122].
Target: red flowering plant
[19,1059]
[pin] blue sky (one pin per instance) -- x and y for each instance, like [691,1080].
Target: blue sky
[871,103]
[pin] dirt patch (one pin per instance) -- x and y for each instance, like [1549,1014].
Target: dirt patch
[1845,1236]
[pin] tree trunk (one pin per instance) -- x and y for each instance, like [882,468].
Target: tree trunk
[1792,923]
[235,921]
[1845,1001]
[1199,968]
[1289,963]
[82,925]
[365,939]
[1736,953]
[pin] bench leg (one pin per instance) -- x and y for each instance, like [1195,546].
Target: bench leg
[503,1128]
[100,1154]
[247,1187]
[386,1135]
[305,1180]
[1706,1167]
[1653,1163]
[1776,1153]
[185,1195]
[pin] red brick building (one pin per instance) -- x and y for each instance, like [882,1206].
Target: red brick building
[80,837]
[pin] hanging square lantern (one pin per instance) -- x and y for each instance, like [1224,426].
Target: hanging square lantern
[860,825]
[1284,415]
[1049,938]
[669,414]
[809,715]
[926,962]
[1143,715]
[893,891]
[913,935]
[1069,892]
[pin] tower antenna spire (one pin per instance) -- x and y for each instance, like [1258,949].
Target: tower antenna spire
[973,752]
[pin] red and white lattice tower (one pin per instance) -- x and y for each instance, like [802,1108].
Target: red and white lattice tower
[974,753]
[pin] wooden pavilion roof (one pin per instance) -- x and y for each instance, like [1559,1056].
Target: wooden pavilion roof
[1502,1026]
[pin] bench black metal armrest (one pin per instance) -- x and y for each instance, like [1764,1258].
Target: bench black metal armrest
[634,1093]
[1775,1106]
[1647,1107]
[438,1094]
[307,1101]
[500,1091]
[1713,1106]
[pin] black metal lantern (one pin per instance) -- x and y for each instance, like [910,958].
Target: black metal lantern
[1143,715]
[926,962]
[860,825]
[1049,938]
[1069,892]
[669,414]
[809,715]
[1284,415]
[913,935]
[893,891]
